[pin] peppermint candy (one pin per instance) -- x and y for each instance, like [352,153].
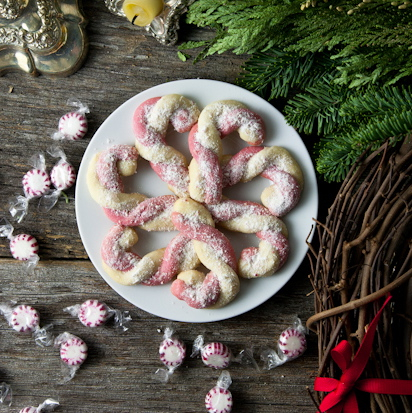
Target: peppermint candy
[47,406]
[24,318]
[73,125]
[219,399]
[172,352]
[215,355]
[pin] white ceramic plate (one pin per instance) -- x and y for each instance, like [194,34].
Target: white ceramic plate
[94,225]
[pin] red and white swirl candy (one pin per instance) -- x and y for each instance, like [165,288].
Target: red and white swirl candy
[252,218]
[215,354]
[221,284]
[219,399]
[73,125]
[73,353]
[216,121]
[47,406]
[150,124]
[23,247]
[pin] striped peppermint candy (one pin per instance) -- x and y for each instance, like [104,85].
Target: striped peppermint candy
[23,247]
[36,183]
[73,125]
[216,355]
[219,398]
[292,342]
[63,175]
[93,313]
[73,351]
[24,318]
[172,352]
[30,409]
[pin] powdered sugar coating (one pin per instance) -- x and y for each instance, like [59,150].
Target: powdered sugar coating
[219,400]
[214,251]
[292,342]
[63,175]
[274,163]
[172,352]
[24,318]
[216,355]
[217,120]
[150,123]
[93,313]
[73,351]
[36,183]
[23,247]
[73,125]
[252,218]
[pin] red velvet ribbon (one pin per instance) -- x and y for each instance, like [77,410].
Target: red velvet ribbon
[342,396]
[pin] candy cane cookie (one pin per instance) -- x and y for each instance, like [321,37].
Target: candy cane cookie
[216,121]
[157,267]
[221,284]
[274,163]
[150,123]
[252,218]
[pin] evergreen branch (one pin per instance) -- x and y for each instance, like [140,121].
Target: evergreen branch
[272,74]
[339,152]
[317,109]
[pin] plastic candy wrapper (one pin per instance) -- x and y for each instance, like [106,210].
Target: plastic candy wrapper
[62,176]
[94,313]
[6,394]
[73,125]
[47,406]
[23,247]
[36,183]
[73,353]
[172,352]
[218,355]
[219,399]
[291,344]
[26,319]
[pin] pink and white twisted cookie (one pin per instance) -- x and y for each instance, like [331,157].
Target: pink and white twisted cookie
[157,267]
[216,121]
[107,189]
[274,163]
[252,218]
[150,123]
[221,285]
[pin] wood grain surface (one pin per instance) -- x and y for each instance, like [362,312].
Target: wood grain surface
[118,375]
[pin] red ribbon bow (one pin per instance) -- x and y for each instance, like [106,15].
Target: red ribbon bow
[342,396]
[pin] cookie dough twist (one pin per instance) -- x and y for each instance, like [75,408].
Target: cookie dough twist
[150,123]
[221,285]
[274,163]
[157,267]
[216,121]
[107,189]
[252,218]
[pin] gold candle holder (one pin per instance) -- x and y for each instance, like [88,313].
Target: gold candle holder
[42,36]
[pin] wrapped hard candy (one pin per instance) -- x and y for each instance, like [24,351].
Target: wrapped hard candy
[26,319]
[216,355]
[62,176]
[47,406]
[219,399]
[73,125]
[95,313]
[291,344]
[23,247]
[172,353]
[73,353]
[6,394]
[36,183]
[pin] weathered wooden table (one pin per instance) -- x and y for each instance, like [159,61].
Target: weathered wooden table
[118,374]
